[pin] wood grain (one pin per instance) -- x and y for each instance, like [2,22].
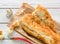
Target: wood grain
[54,13]
[17,3]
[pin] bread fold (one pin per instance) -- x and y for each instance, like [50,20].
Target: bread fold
[33,27]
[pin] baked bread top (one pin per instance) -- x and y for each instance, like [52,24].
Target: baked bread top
[44,17]
[32,25]
[40,25]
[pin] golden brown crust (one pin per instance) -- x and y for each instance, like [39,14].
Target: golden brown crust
[45,17]
[31,26]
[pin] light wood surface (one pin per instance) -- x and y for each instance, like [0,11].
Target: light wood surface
[53,6]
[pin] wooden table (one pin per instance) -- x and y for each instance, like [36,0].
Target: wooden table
[53,7]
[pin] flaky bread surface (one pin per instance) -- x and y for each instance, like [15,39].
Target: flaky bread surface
[32,25]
